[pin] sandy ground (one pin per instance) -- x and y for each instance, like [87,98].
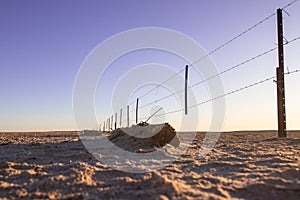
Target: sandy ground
[243,165]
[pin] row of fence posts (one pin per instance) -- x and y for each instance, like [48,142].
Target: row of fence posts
[112,122]
[108,125]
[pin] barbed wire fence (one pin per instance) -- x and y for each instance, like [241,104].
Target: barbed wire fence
[124,120]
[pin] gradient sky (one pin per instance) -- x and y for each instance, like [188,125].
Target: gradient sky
[43,44]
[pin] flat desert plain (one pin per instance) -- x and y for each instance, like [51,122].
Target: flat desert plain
[242,165]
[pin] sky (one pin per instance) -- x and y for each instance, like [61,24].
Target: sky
[44,43]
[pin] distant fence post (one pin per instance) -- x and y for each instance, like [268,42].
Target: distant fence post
[108,124]
[185,89]
[137,111]
[121,118]
[280,79]
[116,116]
[112,122]
[127,115]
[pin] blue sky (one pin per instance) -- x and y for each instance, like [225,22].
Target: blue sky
[43,44]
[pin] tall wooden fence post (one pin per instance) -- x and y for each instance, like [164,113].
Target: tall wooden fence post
[280,79]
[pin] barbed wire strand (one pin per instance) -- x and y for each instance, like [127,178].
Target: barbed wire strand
[228,93]
[157,86]
[211,52]
[216,75]
[211,77]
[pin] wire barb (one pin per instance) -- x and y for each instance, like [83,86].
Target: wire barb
[289,4]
